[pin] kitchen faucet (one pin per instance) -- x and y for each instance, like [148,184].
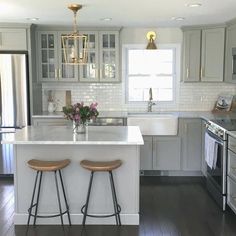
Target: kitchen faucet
[150,102]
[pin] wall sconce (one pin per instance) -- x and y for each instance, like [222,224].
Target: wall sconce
[75,46]
[151,36]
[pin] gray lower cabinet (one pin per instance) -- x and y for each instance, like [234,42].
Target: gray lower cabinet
[166,153]
[191,133]
[160,153]
[146,154]
[174,153]
[231,172]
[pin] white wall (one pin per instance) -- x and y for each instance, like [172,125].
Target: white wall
[190,96]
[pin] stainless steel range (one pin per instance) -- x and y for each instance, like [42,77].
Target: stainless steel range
[216,177]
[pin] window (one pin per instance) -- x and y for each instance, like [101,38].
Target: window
[147,69]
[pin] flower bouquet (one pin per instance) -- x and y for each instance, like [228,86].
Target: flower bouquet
[80,115]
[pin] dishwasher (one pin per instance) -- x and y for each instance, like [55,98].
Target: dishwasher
[109,121]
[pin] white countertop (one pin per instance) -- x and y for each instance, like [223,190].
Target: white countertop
[98,135]
[206,115]
[60,114]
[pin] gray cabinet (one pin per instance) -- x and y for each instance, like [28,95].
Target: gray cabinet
[203,55]
[146,154]
[230,43]
[231,172]
[204,165]
[160,153]
[166,153]
[212,55]
[13,39]
[103,58]
[191,133]
[191,55]
[51,65]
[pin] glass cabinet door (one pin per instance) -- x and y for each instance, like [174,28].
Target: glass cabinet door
[109,49]
[66,72]
[47,56]
[89,72]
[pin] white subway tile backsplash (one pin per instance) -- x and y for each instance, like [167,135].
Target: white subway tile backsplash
[191,96]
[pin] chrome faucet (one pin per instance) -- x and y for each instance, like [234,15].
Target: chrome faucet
[150,102]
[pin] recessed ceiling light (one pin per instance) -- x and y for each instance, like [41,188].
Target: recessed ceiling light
[106,19]
[179,18]
[32,19]
[193,4]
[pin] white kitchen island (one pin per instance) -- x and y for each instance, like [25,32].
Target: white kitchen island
[98,144]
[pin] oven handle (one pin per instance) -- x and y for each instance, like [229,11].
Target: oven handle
[218,140]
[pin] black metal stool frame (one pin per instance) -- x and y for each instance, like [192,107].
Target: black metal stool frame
[117,208]
[32,205]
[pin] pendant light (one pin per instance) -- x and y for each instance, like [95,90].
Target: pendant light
[75,46]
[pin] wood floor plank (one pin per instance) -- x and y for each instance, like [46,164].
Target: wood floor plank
[167,208]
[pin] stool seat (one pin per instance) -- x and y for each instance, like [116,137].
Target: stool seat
[48,165]
[100,165]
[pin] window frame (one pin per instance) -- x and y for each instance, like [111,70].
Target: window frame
[176,73]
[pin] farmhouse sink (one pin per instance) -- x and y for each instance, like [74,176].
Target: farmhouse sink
[155,124]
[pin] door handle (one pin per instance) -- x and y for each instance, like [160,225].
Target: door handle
[187,73]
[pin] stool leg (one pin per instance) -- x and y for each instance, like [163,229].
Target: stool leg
[37,201]
[67,206]
[118,222]
[32,200]
[58,197]
[87,200]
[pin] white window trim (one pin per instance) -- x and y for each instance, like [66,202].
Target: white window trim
[161,104]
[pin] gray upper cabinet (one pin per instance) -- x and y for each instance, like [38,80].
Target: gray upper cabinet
[103,58]
[203,55]
[109,60]
[212,56]
[90,71]
[191,55]
[13,39]
[51,65]
[230,44]
[191,133]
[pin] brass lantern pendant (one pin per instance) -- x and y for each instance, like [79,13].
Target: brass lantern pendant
[75,46]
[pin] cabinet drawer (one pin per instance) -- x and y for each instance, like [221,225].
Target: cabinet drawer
[232,164]
[231,193]
[232,144]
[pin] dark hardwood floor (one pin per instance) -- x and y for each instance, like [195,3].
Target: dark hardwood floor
[166,209]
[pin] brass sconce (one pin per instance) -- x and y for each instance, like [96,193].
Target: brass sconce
[151,36]
[75,46]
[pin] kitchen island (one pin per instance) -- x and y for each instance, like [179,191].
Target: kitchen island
[98,144]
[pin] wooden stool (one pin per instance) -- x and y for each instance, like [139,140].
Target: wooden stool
[101,166]
[49,166]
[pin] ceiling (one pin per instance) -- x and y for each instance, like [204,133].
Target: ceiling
[124,13]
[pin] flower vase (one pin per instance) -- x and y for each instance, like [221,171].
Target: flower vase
[79,128]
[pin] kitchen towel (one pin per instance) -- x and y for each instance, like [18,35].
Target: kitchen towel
[211,149]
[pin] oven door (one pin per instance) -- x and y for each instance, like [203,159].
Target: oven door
[216,178]
[216,175]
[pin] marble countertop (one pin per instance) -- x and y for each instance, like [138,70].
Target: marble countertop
[206,115]
[102,114]
[96,135]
